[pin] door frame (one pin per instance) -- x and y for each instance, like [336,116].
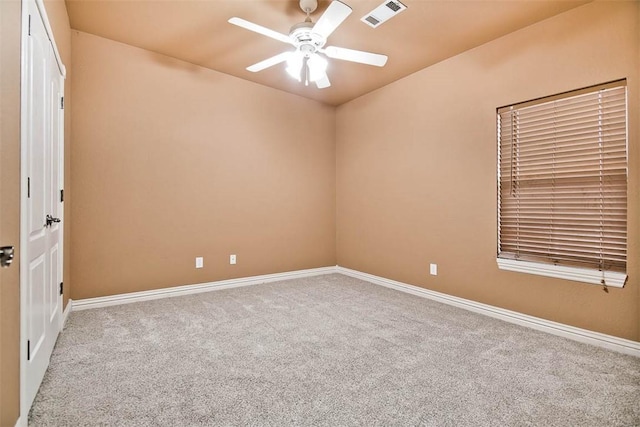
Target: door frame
[33,6]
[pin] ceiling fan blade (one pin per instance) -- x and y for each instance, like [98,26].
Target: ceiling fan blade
[270,62]
[260,29]
[323,82]
[356,56]
[331,18]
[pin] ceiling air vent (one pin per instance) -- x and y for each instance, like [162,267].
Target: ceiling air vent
[371,20]
[383,13]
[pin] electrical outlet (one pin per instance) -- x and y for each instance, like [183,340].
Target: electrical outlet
[232,259]
[199,262]
[433,269]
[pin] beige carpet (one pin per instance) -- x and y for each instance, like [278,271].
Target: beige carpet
[328,350]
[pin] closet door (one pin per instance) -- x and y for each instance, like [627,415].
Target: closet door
[41,162]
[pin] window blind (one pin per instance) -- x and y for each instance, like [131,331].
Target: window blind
[562,179]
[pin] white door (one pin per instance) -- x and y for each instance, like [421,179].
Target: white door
[42,127]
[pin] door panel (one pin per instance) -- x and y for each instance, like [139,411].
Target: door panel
[36,298]
[37,170]
[53,294]
[43,129]
[37,129]
[54,205]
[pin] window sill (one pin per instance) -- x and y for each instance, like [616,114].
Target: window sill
[585,275]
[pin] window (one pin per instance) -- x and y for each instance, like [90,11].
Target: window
[562,185]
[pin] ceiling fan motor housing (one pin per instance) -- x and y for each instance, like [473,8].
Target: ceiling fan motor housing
[304,39]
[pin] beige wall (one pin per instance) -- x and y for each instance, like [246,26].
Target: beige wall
[10,18]
[170,161]
[416,167]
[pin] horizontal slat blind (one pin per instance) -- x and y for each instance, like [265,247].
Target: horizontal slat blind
[562,178]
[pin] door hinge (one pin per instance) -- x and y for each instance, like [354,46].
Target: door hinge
[28,187]
[28,350]
[29,26]
[61,195]
[62,102]
[61,287]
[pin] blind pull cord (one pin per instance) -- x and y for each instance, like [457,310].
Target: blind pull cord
[513,150]
[601,165]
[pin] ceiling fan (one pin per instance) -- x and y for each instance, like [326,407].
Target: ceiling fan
[305,62]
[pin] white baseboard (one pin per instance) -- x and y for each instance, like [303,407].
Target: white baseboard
[577,334]
[66,312]
[19,423]
[84,304]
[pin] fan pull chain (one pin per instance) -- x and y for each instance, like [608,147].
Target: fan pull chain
[305,70]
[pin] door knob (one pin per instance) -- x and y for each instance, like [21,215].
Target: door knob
[50,220]
[6,256]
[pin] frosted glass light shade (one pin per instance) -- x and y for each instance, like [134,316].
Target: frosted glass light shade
[317,66]
[294,66]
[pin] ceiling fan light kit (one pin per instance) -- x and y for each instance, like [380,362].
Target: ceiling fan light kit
[305,63]
[306,68]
